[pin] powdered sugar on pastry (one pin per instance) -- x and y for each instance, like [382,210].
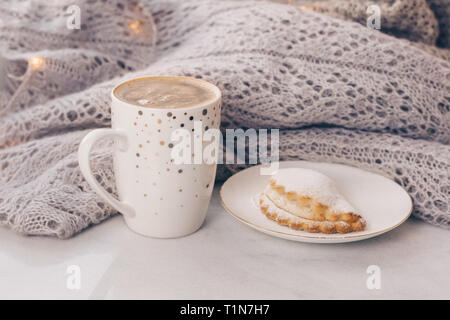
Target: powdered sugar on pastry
[305,199]
[307,183]
[286,219]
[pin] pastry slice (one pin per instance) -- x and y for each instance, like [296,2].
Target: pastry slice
[305,199]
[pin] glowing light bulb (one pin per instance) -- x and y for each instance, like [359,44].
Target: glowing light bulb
[307,7]
[36,62]
[136,26]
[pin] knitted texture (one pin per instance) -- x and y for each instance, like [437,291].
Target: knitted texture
[425,21]
[441,9]
[338,91]
[412,19]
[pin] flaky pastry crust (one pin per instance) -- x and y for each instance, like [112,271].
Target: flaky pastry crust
[284,218]
[315,209]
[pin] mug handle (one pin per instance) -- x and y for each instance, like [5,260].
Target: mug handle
[83,159]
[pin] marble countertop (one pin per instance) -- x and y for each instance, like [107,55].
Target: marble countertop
[223,260]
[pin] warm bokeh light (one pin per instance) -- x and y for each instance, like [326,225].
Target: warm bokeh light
[136,26]
[307,7]
[36,62]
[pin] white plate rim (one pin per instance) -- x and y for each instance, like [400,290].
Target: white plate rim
[315,236]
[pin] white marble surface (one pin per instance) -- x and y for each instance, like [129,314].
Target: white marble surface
[224,260]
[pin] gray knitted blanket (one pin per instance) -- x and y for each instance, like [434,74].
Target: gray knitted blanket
[339,92]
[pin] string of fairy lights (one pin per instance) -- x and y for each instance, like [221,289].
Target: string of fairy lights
[138,27]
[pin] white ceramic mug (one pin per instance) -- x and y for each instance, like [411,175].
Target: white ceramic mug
[157,197]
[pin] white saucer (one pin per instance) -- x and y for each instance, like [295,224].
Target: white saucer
[383,203]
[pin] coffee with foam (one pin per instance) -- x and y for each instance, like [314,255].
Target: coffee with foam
[164,93]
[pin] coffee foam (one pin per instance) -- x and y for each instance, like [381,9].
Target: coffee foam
[162,93]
